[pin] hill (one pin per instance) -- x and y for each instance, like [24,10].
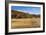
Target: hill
[19,14]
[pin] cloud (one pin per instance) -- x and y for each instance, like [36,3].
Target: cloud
[28,12]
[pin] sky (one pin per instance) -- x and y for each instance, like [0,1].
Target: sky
[27,9]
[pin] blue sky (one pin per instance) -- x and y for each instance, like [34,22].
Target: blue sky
[27,9]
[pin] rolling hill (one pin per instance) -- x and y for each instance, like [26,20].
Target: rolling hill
[19,14]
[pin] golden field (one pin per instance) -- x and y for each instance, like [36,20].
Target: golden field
[25,23]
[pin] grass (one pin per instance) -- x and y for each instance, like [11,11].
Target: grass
[24,20]
[25,23]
